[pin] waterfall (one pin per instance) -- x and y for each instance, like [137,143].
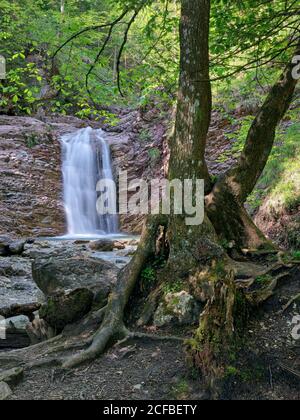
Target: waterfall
[86,160]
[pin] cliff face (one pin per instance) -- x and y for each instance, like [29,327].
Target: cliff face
[30,188]
[31,202]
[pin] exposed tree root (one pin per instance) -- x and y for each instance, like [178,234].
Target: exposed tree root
[293,300]
[113,328]
[40,354]
[258,297]
[149,307]
[248,282]
[290,370]
[133,336]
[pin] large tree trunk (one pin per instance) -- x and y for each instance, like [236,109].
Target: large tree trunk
[188,144]
[194,96]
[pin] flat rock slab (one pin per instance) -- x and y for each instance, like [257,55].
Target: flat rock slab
[69,270]
[16,284]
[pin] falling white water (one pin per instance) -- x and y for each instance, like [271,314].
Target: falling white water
[86,160]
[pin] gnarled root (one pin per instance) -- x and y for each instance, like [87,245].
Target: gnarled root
[216,329]
[113,328]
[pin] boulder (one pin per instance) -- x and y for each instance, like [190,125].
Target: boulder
[102,245]
[66,308]
[9,247]
[17,323]
[177,308]
[56,272]
[16,247]
[72,283]
[14,333]
[12,377]
[4,246]
[119,245]
[5,391]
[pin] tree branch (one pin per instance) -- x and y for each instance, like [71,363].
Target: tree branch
[90,28]
[132,20]
[106,41]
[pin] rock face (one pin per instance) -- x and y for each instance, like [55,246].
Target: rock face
[139,147]
[30,178]
[177,308]
[9,247]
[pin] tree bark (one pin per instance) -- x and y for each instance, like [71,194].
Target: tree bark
[194,96]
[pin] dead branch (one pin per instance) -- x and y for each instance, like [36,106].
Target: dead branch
[16,310]
[290,370]
[132,20]
[90,28]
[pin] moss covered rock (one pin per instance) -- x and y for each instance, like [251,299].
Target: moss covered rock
[177,308]
[65,308]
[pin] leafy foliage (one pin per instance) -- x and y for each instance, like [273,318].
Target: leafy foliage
[84,78]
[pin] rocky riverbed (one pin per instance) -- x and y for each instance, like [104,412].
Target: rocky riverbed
[46,267]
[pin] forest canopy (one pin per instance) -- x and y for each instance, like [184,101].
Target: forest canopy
[139,57]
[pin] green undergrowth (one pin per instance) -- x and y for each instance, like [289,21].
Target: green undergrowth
[278,189]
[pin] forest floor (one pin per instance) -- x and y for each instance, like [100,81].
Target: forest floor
[266,367]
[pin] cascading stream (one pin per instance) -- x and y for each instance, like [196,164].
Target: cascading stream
[86,160]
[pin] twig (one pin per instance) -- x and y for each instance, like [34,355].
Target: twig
[90,28]
[132,20]
[271,378]
[106,41]
[139,335]
[290,303]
